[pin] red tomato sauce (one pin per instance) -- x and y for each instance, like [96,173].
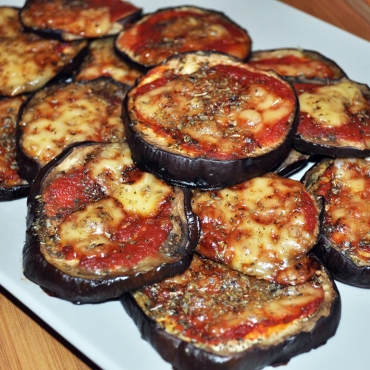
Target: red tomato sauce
[68,193]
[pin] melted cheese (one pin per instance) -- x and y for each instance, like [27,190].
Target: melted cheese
[28,62]
[328,104]
[262,225]
[143,197]
[61,115]
[92,227]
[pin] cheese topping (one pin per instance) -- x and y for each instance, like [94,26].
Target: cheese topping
[218,309]
[63,114]
[328,105]
[345,184]
[104,215]
[259,227]
[224,111]
[102,60]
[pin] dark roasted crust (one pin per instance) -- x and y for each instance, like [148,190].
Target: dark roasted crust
[136,59]
[200,172]
[337,71]
[184,355]
[49,32]
[84,290]
[341,266]
[28,166]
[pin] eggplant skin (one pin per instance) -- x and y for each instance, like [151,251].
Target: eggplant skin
[81,290]
[340,266]
[14,192]
[304,146]
[183,355]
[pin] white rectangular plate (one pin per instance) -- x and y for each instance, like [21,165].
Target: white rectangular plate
[103,332]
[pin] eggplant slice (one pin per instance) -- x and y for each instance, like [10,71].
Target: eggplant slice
[296,64]
[207,120]
[27,61]
[102,60]
[212,317]
[264,227]
[65,113]
[12,186]
[98,227]
[71,20]
[344,183]
[170,31]
[334,118]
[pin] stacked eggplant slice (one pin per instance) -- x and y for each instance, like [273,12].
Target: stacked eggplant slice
[155,149]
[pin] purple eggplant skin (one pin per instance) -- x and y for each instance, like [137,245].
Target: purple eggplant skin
[203,173]
[60,35]
[185,356]
[82,290]
[14,192]
[341,267]
[328,151]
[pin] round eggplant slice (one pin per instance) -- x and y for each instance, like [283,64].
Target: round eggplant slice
[71,20]
[207,120]
[98,227]
[264,227]
[65,113]
[12,186]
[344,183]
[102,60]
[296,64]
[211,317]
[334,118]
[169,31]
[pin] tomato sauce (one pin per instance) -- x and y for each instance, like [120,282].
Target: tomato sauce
[68,193]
